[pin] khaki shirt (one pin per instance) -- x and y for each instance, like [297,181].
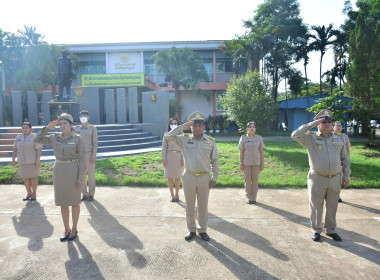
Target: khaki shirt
[327,156]
[198,154]
[168,147]
[26,148]
[251,148]
[68,149]
[89,134]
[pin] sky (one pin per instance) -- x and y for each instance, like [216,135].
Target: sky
[117,21]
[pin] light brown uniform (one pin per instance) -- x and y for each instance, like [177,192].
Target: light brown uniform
[173,156]
[198,155]
[326,158]
[89,135]
[69,166]
[252,163]
[27,155]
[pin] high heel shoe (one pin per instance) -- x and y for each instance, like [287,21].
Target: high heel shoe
[71,238]
[27,198]
[67,236]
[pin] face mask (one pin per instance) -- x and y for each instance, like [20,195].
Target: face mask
[172,126]
[83,119]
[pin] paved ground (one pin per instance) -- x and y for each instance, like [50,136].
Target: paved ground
[136,233]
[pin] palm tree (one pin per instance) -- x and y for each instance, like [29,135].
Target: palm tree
[181,68]
[340,49]
[322,39]
[302,50]
[29,36]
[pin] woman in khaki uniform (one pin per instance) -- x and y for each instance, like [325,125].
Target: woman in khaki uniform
[173,162]
[68,170]
[251,148]
[28,156]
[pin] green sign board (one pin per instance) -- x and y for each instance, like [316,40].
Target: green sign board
[113,80]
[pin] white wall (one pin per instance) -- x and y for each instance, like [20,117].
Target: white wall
[192,102]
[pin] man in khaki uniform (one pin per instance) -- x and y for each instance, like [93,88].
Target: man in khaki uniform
[89,134]
[199,151]
[328,155]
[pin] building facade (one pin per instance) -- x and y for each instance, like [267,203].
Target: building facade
[110,62]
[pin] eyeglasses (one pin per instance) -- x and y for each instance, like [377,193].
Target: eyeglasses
[174,123]
[326,122]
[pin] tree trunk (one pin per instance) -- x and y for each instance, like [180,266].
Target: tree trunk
[307,93]
[320,76]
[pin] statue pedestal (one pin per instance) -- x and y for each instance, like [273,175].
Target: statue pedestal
[58,107]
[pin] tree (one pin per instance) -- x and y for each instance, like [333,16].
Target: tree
[335,103]
[181,68]
[302,50]
[340,48]
[363,72]
[247,99]
[322,40]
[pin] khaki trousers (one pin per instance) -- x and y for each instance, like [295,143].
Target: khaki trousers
[322,189]
[89,189]
[196,188]
[251,180]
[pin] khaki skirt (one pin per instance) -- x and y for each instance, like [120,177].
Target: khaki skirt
[65,178]
[173,168]
[29,170]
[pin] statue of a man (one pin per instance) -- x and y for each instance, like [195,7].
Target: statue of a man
[65,69]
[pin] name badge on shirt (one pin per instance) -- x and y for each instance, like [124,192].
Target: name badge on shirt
[207,143]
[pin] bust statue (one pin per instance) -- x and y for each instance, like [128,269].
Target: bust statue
[64,75]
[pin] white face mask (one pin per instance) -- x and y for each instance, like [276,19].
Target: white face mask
[172,126]
[83,119]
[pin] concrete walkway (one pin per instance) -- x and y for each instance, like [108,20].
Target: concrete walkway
[136,233]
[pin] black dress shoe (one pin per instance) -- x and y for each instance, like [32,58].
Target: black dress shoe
[340,200]
[65,237]
[204,236]
[334,236]
[315,236]
[27,198]
[83,198]
[189,235]
[72,237]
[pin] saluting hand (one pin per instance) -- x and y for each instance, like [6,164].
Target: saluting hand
[319,121]
[188,125]
[53,124]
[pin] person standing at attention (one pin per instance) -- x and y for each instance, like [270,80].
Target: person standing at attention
[28,156]
[329,161]
[199,151]
[172,161]
[337,126]
[251,148]
[68,170]
[89,134]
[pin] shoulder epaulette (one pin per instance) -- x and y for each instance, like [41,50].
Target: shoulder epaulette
[92,125]
[312,132]
[212,138]
[186,134]
[337,133]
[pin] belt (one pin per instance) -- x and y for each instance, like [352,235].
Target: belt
[173,151]
[328,176]
[197,174]
[65,161]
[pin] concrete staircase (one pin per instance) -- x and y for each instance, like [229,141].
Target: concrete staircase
[113,140]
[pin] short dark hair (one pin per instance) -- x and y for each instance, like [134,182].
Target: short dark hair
[84,112]
[27,123]
[172,119]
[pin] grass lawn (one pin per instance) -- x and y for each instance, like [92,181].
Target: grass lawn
[286,166]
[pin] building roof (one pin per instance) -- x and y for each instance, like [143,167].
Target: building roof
[301,102]
[144,46]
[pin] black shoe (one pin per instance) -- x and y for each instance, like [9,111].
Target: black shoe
[172,199]
[65,237]
[204,236]
[72,237]
[189,235]
[334,236]
[90,198]
[253,201]
[84,198]
[340,200]
[315,236]
[27,198]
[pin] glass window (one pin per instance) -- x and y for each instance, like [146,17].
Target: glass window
[92,63]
